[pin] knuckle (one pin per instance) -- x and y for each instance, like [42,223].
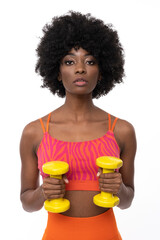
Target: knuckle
[58,187]
[104,180]
[120,181]
[57,181]
[102,185]
[105,175]
[54,196]
[59,191]
[100,181]
[61,181]
[111,191]
[63,191]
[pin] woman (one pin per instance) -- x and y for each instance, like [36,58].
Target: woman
[80,58]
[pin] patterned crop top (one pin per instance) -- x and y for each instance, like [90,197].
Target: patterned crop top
[81,156]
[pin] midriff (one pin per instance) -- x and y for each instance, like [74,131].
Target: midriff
[81,204]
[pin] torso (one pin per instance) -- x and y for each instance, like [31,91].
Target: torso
[81,201]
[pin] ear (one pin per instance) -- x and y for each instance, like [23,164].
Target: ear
[99,77]
[59,77]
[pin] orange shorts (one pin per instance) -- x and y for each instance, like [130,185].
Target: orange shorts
[103,226]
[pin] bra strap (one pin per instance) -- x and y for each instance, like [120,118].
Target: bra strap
[42,124]
[114,123]
[47,127]
[112,126]
[109,119]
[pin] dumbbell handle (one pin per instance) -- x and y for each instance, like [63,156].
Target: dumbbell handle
[106,194]
[56,176]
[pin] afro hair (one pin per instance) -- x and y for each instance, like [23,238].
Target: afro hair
[77,30]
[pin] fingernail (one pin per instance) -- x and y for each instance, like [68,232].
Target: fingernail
[98,174]
[66,181]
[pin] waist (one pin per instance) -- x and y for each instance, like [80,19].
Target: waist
[102,226]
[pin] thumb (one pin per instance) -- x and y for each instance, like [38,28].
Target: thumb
[99,172]
[64,177]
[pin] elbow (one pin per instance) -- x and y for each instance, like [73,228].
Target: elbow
[25,208]
[126,201]
[24,204]
[29,208]
[125,205]
[28,205]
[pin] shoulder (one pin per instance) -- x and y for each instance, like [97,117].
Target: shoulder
[124,126]
[31,129]
[125,133]
[35,126]
[32,134]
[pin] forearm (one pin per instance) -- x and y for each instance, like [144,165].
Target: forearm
[126,195]
[32,200]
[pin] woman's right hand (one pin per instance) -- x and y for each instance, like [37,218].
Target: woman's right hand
[54,188]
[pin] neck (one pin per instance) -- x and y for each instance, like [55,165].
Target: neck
[78,108]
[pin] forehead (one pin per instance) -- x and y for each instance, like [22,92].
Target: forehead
[78,52]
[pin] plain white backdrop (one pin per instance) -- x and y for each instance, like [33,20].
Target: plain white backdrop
[136,100]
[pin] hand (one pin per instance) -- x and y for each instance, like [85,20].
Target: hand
[110,182]
[54,188]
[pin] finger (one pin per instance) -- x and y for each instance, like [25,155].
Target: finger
[64,177]
[99,172]
[55,196]
[109,186]
[110,180]
[48,186]
[55,192]
[53,181]
[43,193]
[110,189]
[110,175]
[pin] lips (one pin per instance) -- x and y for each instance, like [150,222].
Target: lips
[80,80]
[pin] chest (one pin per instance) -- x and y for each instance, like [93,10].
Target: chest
[78,132]
[81,156]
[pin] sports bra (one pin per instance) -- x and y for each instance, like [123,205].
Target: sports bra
[81,156]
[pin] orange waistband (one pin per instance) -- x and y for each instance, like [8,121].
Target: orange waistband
[103,226]
[83,185]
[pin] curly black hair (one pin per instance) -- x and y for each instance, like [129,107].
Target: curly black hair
[77,30]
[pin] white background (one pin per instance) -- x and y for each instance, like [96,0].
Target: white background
[136,100]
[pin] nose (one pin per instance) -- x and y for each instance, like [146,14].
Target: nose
[80,68]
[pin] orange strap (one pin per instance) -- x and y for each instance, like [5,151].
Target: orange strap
[109,119]
[42,125]
[49,116]
[111,126]
[114,123]
[47,127]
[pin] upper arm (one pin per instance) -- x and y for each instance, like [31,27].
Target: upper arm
[126,138]
[29,166]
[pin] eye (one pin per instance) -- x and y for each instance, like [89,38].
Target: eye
[91,62]
[68,62]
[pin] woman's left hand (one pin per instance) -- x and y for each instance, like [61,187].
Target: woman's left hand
[110,182]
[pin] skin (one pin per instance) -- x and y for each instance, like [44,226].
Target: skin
[78,119]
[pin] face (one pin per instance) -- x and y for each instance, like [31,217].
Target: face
[79,72]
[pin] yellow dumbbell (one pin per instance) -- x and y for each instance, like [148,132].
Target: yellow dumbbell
[109,164]
[55,169]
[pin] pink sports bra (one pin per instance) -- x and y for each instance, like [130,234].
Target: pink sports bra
[81,156]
